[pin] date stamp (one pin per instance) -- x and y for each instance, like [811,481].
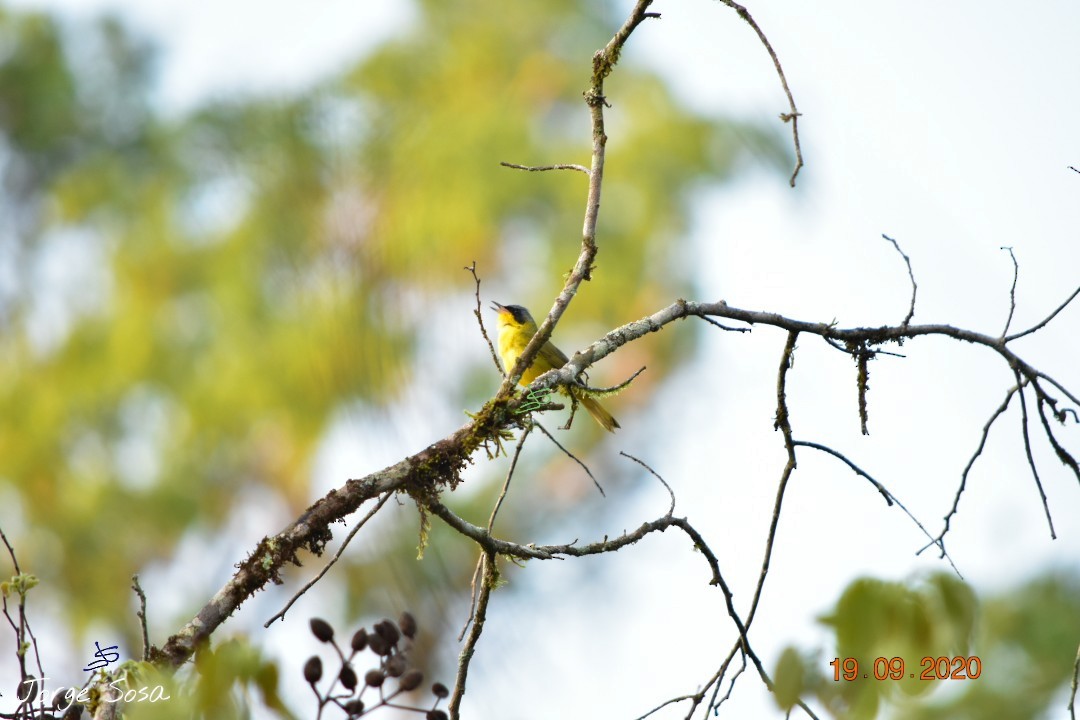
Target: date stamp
[959,667]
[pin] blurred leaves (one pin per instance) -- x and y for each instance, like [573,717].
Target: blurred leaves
[1025,640]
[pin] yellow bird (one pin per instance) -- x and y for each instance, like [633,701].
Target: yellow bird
[516,329]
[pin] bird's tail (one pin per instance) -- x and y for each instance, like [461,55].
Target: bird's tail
[599,412]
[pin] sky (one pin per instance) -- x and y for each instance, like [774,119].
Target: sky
[947,126]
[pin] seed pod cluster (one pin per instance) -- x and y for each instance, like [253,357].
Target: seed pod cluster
[390,642]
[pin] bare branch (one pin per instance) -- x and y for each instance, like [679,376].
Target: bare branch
[664,704]
[940,539]
[1030,458]
[552,552]
[487,584]
[793,115]
[480,319]
[1012,290]
[141,614]
[1046,320]
[723,327]
[491,524]
[890,499]
[572,457]
[671,510]
[911,274]
[544,168]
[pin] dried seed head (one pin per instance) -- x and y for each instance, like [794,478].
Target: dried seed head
[436,715]
[359,640]
[355,708]
[440,691]
[396,665]
[313,669]
[389,631]
[411,680]
[407,623]
[347,676]
[378,644]
[374,678]
[322,630]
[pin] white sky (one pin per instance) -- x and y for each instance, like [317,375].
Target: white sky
[948,126]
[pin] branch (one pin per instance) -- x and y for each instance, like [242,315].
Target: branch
[794,114]
[1012,290]
[914,286]
[544,168]
[890,499]
[1047,319]
[480,318]
[1030,458]
[280,615]
[487,583]
[940,539]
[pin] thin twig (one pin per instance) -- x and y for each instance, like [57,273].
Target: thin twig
[890,499]
[509,476]
[480,319]
[1012,290]
[487,584]
[1041,400]
[491,525]
[671,510]
[572,457]
[141,614]
[940,539]
[724,327]
[664,704]
[794,114]
[280,615]
[614,388]
[911,274]
[1047,319]
[543,168]
[1030,458]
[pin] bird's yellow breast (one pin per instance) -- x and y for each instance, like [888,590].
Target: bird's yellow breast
[512,342]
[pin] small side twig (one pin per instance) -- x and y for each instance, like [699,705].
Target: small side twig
[280,615]
[661,706]
[478,312]
[940,539]
[911,275]
[614,388]
[890,499]
[794,114]
[728,328]
[1012,290]
[141,614]
[1030,458]
[544,168]
[1045,320]
[671,510]
[491,525]
[572,457]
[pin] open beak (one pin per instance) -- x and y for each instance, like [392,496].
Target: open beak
[496,306]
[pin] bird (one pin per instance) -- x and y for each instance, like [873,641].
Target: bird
[516,329]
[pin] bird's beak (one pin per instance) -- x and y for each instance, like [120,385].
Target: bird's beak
[496,306]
